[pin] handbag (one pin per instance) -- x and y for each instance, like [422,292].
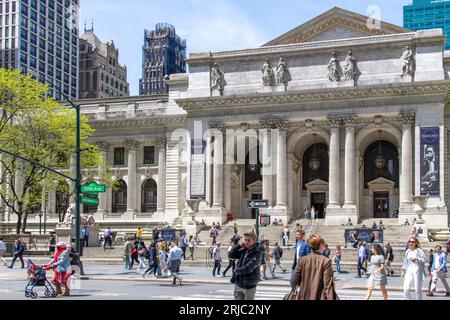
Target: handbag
[292,295]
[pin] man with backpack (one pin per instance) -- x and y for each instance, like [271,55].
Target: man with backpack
[277,253]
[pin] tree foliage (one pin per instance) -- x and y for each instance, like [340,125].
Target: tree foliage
[38,128]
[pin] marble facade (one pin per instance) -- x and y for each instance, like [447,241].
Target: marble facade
[345,117]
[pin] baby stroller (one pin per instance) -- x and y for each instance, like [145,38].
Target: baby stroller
[37,278]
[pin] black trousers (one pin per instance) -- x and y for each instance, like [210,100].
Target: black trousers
[134,257]
[184,252]
[15,258]
[231,264]
[360,266]
[217,266]
[86,242]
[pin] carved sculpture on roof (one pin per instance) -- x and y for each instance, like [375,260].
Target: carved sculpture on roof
[283,74]
[409,62]
[350,72]
[217,79]
[268,76]
[333,68]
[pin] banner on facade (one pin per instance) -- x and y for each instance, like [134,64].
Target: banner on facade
[430,162]
[198,169]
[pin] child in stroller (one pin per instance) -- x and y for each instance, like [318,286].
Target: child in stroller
[37,278]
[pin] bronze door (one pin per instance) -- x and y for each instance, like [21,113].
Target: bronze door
[381,205]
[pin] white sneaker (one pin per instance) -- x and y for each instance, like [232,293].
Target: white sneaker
[219,276]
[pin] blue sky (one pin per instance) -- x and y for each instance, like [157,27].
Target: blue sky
[212,25]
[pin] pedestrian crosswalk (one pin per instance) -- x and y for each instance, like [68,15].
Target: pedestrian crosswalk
[277,293]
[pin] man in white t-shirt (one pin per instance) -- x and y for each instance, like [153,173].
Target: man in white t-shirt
[2,251]
[217,260]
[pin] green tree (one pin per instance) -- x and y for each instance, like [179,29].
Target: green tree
[37,128]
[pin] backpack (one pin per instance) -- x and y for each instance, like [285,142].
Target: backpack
[281,251]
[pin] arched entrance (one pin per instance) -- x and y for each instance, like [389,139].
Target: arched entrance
[381,179]
[315,173]
[119,197]
[149,196]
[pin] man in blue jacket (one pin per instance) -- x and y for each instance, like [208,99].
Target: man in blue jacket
[301,249]
[247,273]
[438,269]
[19,249]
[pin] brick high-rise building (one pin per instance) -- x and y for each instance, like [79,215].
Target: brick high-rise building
[101,75]
[41,37]
[164,53]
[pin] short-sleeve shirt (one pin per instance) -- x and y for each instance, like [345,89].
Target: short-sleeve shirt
[375,263]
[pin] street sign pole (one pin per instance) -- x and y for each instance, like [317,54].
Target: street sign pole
[78,181]
[257,224]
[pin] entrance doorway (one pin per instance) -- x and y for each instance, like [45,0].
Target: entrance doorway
[318,201]
[381,205]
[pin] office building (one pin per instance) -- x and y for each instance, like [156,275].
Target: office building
[41,37]
[164,53]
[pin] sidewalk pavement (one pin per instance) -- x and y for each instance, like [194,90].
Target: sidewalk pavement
[202,275]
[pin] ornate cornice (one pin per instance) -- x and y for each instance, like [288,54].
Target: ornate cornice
[397,90]
[149,122]
[364,41]
[274,123]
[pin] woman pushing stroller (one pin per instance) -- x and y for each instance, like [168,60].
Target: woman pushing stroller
[61,266]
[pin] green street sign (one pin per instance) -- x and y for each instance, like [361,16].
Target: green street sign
[88,200]
[93,188]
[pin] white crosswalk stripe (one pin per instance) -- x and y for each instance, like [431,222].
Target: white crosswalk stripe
[277,293]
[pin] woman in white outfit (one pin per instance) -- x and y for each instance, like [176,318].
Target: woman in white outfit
[413,269]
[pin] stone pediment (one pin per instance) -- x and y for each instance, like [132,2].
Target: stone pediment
[255,186]
[381,184]
[317,185]
[335,24]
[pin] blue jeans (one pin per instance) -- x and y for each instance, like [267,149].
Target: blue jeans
[338,265]
[128,262]
[292,279]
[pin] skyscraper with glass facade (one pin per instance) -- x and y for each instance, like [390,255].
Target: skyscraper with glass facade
[428,14]
[41,37]
[164,53]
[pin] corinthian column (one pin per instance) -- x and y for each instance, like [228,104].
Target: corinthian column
[218,170]
[132,178]
[267,165]
[161,194]
[334,192]
[350,170]
[406,187]
[290,182]
[209,172]
[102,206]
[281,169]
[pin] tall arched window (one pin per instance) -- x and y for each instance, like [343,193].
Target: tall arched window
[149,196]
[119,197]
[315,164]
[381,161]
